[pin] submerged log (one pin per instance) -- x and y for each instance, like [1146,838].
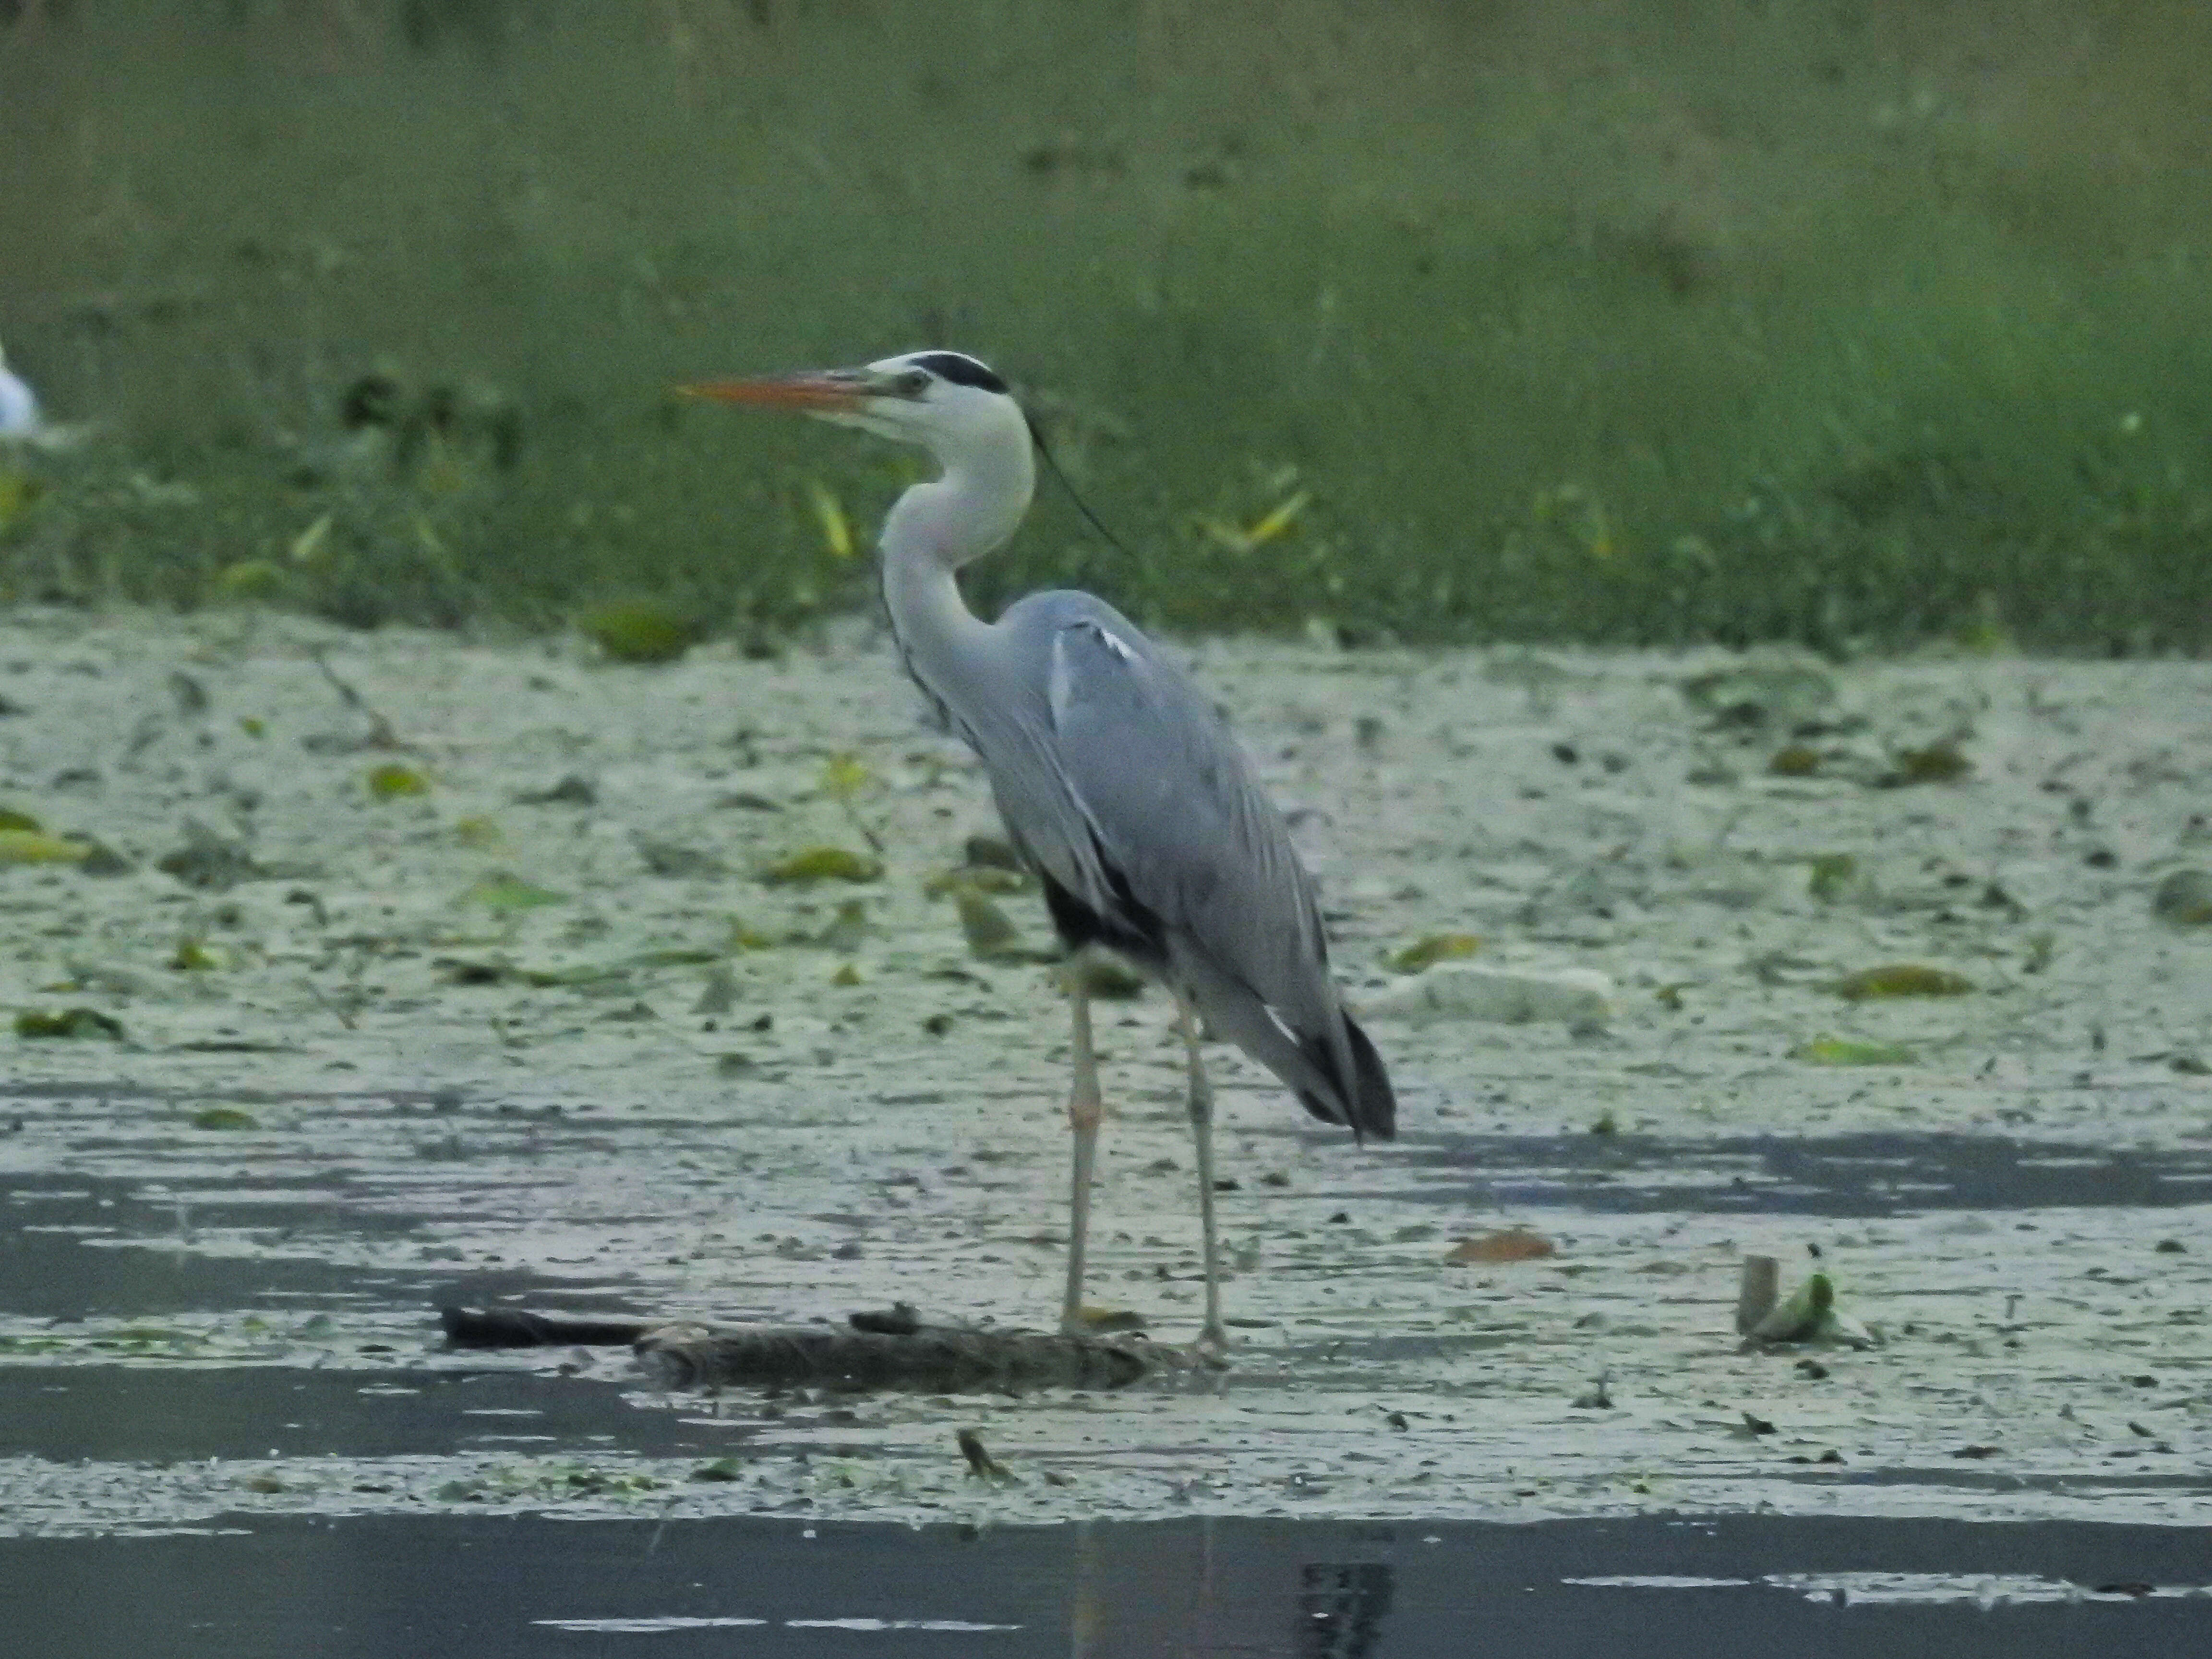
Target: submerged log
[892,1350]
[939,1358]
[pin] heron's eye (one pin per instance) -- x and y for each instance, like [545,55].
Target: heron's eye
[912,382]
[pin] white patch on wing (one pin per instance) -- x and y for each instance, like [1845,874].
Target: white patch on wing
[1060,686]
[1115,643]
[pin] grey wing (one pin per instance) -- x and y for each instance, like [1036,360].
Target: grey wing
[1158,817]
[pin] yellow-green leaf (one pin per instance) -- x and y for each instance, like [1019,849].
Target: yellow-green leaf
[391,781]
[29,846]
[814,863]
[640,633]
[1842,1051]
[1902,979]
[1833,874]
[1435,948]
[193,957]
[69,1023]
[844,776]
[505,894]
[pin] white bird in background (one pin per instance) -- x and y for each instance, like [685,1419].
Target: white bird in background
[1119,785]
[19,404]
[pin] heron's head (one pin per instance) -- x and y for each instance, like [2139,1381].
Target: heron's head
[947,402]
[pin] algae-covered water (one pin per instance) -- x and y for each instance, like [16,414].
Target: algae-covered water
[494,983]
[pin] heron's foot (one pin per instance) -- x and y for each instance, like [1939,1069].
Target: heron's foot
[1092,1320]
[1210,1349]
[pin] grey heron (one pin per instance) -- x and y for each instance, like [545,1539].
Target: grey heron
[1119,785]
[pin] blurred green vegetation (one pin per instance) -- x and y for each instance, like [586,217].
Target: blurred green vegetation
[1862,323]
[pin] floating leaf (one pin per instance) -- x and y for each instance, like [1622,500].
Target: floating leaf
[743,937]
[844,776]
[1514,1244]
[722,1468]
[989,934]
[846,976]
[11,819]
[1428,951]
[640,633]
[1901,979]
[814,863]
[976,879]
[504,894]
[253,725]
[29,846]
[1104,978]
[2183,899]
[190,957]
[1841,1051]
[1833,875]
[224,1117]
[1942,762]
[69,1023]
[480,833]
[1796,760]
[393,782]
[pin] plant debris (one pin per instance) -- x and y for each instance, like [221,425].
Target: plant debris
[69,1023]
[1901,979]
[816,864]
[1514,1244]
[1427,952]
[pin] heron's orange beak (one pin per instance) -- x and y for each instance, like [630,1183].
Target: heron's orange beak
[814,392]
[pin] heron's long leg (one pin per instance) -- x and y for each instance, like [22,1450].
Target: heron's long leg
[1084,1110]
[1201,1129]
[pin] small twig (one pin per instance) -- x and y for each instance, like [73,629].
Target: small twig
[875,842]
[328,1006]
[380,734]
[981,1466]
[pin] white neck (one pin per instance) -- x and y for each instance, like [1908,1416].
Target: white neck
[932,531]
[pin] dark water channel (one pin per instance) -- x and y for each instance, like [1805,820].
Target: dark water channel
[396,1588]
[1870,1174]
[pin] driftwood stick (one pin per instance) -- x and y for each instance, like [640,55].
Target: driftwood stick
[939,1358]
[890,1350]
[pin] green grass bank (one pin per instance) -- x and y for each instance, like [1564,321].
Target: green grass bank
[1863,322]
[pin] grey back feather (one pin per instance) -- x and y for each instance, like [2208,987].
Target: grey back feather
[1115,775]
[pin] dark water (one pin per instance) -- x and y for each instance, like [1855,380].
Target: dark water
[396,1588]
[1875,1174]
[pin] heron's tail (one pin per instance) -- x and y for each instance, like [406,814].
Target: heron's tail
[1330,1066]
[1364,1100]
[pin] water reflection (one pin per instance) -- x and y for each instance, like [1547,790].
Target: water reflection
[1341,1609]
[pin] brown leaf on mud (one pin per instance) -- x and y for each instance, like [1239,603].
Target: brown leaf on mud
[1514,1244]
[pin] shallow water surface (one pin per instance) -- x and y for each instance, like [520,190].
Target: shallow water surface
[394,1587]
